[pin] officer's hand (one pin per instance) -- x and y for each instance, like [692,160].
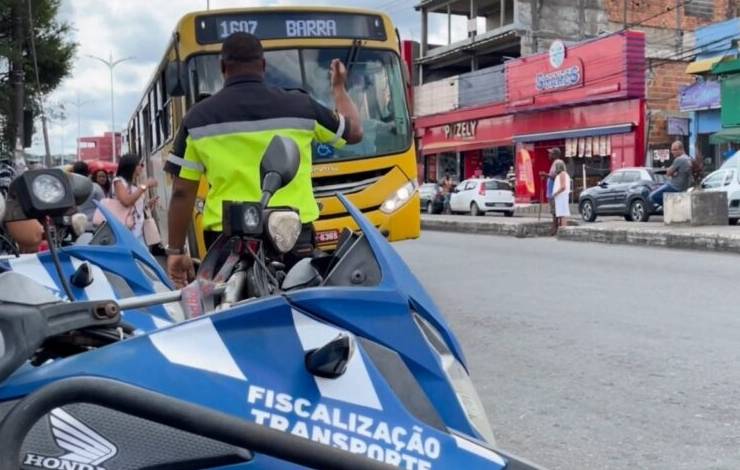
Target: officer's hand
[338,74]
[180,269]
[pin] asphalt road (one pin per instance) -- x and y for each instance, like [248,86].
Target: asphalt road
[595,356]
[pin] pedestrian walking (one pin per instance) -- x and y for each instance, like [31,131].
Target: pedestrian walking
[103,180]
[88,207]
[447,186]
[561,193]
[131,194]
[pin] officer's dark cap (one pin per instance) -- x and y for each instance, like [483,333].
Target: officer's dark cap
[241,47]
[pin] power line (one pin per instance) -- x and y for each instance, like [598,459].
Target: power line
[667,10]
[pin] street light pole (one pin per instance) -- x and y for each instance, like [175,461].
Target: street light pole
[111,64]
[78,106]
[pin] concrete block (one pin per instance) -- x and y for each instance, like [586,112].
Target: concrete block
[695,208]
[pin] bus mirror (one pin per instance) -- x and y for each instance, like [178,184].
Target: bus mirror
[173,80]
[406,75]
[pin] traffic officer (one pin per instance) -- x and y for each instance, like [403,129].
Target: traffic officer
[224,136]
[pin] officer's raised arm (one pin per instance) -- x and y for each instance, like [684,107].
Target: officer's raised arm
[345,106]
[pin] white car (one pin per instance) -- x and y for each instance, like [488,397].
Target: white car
[726,179]
[478,196]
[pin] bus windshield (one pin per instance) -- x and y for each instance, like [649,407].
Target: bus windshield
[375,85]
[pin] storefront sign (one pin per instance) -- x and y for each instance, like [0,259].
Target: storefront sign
[461,130]
[566,78]
[678,126]
[702,95]
[661,155]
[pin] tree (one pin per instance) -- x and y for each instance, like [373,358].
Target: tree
[54,52]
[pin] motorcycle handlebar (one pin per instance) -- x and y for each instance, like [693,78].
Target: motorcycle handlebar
[171,412]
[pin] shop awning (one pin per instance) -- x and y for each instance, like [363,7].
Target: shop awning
[732,66]
[441,147]
[704,65]
[569,134]
[725,136]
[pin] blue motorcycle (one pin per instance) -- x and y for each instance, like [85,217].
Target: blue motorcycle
[341,362]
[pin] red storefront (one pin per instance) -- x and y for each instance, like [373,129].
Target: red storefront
[587,100]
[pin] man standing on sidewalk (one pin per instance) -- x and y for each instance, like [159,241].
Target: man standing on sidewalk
[679,173]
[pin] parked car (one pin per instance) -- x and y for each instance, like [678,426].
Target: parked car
[478,196]
[432,199]
[726,179]
[623,192]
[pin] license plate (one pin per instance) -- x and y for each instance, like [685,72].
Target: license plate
[327,236]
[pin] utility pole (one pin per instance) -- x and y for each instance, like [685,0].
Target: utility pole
[45,130]
[18,78]
[111,64]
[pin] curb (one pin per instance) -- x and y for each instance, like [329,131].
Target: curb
[658,238]
[518,230]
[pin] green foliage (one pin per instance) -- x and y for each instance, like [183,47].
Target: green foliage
[55,51]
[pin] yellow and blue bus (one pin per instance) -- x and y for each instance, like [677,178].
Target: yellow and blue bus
[379,175]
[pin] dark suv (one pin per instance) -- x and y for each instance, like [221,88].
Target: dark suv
[623,192]
[432,199]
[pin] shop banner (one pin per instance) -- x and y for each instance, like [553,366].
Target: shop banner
[701,95]
[525,173]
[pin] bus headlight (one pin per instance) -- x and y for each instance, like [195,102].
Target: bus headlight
[458,377]
[284,227]
[399,198]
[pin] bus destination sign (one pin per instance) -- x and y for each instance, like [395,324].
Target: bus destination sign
[285,25]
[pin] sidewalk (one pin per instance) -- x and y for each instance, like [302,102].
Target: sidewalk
[608,230]
[493,224]
[721,238]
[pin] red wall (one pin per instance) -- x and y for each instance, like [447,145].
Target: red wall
[101,149]
[579,117]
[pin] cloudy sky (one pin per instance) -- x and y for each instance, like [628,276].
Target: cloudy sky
[140,29]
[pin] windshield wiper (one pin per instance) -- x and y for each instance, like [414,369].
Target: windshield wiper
[353,54]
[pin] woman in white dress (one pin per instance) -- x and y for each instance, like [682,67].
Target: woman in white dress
[561,193]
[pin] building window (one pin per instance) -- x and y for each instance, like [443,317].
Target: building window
[700,9]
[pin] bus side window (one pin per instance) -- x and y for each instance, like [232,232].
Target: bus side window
[163,111]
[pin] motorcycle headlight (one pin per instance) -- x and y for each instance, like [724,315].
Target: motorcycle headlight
[48,189]
[284,227]
[251,219]
[44,193]
[459,379]
[399,198]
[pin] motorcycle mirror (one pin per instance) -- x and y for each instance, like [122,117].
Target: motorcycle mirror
[330,360]
[303,274]
[82,187]
[280,164]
